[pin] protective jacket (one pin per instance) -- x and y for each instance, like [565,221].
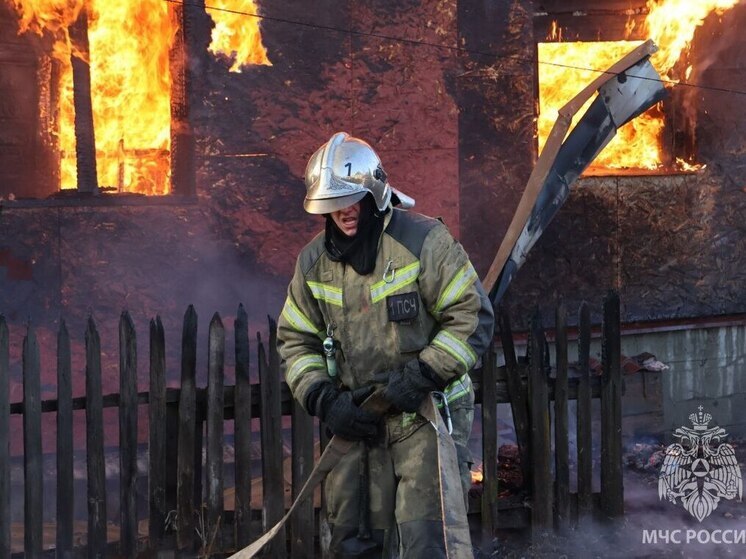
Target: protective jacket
[423,300]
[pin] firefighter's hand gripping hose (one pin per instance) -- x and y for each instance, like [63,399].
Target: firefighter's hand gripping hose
[341,413]
[408,386]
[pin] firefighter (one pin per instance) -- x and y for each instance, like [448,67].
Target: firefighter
[386,296]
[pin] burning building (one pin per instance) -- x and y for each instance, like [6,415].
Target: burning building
[153,157]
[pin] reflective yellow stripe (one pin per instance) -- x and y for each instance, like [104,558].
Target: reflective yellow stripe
[455,348]
[325,292]
[297,319]
[403,277]
[303,364]
[465,277]
[458,388]
[408,418]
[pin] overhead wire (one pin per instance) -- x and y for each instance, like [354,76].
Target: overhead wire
[451,48]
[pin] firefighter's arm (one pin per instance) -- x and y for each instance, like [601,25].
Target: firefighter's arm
[453,294]
[300,332]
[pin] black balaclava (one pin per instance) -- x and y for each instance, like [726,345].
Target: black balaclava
[360,250]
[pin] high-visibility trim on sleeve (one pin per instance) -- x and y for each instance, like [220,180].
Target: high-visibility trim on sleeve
[304,363]
[326,292]
[463,279]
[403,277]
[455,348]
[297,319]
[458,388]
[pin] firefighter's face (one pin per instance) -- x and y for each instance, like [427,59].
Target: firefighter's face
[347,219]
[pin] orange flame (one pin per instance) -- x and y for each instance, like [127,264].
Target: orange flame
[130,43]
[671,24]
[636,144]
[477,476]
[236,33]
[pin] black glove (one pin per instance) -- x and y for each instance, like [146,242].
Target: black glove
[409,385]
[340,411]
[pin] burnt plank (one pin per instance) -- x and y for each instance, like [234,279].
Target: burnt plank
[185,496]
[612,485]
[32,463]
[85,144]
[517,393]
[214,459]
[183,175]
[157,436]
[4,440]
[242,429]
[489,449]
[541,480]
[127,436]
[324,533]
[65,490]
[95,445]
[271,429]
[172,458]
[561,440]
[302,521]
[584,434]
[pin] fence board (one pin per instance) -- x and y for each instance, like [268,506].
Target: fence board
[32,465]
[489,449]
[4,440]
[271,422]
[65,488]
[541,509]
[95,445]
[127,436]
[270,400]
[172,459]
[324,531]
[517,393]
[214,464]
[584,435]
[302,522]
[157,436]
[242,430]
[561,441]
[185,495]
[612,487]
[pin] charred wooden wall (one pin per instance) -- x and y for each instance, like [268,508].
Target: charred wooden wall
[26,153]
[674,246]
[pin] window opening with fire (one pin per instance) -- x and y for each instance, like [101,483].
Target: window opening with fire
[644,144]
[131,53]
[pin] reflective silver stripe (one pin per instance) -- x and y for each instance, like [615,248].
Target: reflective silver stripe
[403,277]
[465,277]
[303,364]
[325,292]
[455,348]
[459,387]
[297,319]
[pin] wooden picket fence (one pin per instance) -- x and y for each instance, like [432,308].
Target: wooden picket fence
[185,473]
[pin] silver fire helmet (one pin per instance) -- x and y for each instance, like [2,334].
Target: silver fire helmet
[342,172]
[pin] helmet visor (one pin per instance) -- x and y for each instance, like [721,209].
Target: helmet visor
[329,205]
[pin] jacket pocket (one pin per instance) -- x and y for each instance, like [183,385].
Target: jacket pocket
[412,334]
